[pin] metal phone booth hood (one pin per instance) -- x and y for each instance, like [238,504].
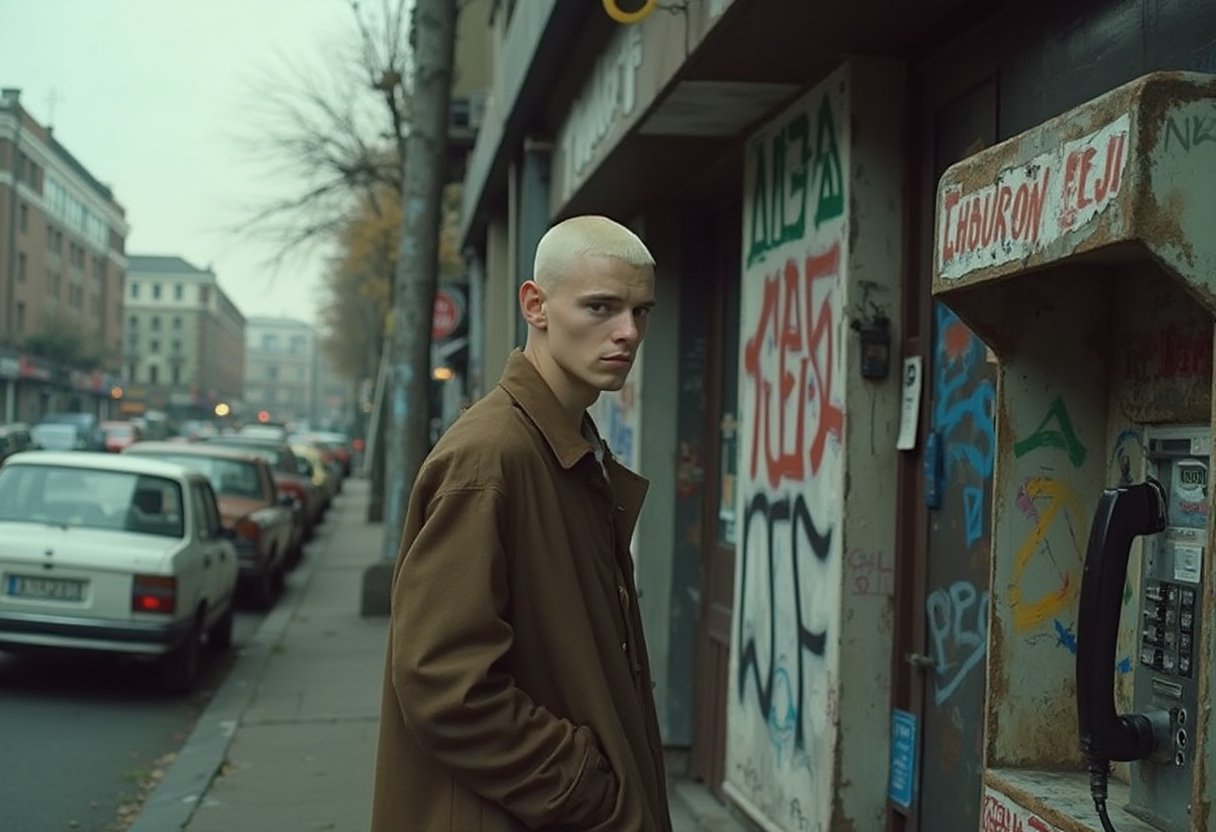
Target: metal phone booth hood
[1083,253]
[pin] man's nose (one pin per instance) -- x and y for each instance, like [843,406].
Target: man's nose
[627,331]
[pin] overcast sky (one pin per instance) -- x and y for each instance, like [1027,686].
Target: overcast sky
[152,95]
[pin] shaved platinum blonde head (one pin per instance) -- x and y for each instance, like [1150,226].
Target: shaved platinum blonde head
[565,244]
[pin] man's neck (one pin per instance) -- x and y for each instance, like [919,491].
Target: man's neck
[573,404]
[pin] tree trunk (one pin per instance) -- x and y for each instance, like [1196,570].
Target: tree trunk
[433,40]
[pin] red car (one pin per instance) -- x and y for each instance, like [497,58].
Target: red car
[118,436]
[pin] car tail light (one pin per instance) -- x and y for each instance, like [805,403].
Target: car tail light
[154,593]
[248,530]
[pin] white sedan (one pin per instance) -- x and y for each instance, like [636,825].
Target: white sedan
[118,554]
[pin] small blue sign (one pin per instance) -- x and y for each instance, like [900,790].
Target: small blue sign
[903,758]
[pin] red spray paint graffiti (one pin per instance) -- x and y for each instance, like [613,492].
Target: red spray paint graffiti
[796,320]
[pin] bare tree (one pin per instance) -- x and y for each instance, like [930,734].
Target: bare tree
[341,135]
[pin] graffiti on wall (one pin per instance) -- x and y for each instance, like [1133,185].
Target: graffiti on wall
[958,634]
[789,568]
[963,413]
[964,399]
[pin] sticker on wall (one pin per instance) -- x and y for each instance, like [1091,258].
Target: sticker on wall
[902,783]
[909,411]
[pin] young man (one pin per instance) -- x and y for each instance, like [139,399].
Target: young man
[517,693]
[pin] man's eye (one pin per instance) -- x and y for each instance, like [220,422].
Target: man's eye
[642,312]
[598,308]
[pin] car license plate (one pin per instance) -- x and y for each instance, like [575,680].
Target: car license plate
[55,589]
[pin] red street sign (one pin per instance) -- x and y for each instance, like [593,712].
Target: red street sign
[446,316]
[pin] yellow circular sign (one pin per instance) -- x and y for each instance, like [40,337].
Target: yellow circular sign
[621,16]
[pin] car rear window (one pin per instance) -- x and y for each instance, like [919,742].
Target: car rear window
[91,498]
[228,477]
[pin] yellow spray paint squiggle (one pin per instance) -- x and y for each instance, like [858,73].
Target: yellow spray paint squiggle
[1030,614]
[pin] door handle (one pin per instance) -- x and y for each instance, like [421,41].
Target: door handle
[921,662]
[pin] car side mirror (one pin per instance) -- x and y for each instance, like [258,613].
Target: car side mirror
[287,500]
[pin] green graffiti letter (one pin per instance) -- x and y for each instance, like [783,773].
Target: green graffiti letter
[831,179]
[797,137]
[1055,431]
[759,241]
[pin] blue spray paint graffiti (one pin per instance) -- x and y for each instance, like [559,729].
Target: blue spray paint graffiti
[973,505]
[958,629]
[962,402]
[1067,639]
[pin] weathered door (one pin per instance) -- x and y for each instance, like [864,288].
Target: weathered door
[959,447]
[719,527]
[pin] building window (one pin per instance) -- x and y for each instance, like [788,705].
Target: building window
[270,343]
[20,317]
[177,375]
[133,322]
[134,290]
[177,292]
[56,285]
[132,343]
[153,373]
[154,345]
[21,267]
[272,373]
[131,371]
[177,322]
[177,346]
[156,291]
[23,218]
[155,323]
[204,294]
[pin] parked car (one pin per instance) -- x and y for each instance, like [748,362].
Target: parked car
[264,430]
[259,522]
[14,438]
[60,436]
[326,479]
[337,443]
[113,554]
[291,474]
[88,423]
[118,436]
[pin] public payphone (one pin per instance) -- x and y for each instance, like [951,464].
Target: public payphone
[1081,253]
[1170,509]
[1169,663]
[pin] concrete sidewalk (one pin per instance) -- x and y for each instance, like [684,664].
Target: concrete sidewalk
[287,744]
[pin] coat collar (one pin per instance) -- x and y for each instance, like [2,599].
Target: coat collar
[531,392]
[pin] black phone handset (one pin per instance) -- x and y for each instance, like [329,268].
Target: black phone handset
[1122,515]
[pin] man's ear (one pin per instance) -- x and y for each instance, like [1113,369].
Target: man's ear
[532,304]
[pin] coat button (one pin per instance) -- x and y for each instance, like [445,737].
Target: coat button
[625,646]
[620,508]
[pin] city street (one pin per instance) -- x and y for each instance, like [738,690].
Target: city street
[82,733]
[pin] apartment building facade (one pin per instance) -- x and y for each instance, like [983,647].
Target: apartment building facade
[184,345]
[281,369]
[62,258]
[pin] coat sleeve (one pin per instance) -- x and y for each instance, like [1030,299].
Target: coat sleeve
[449,635]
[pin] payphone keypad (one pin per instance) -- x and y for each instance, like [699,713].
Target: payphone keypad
[1166,639]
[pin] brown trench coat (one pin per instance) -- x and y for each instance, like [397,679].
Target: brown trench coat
[517,691]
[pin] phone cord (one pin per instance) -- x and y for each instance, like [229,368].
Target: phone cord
[1099,771]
